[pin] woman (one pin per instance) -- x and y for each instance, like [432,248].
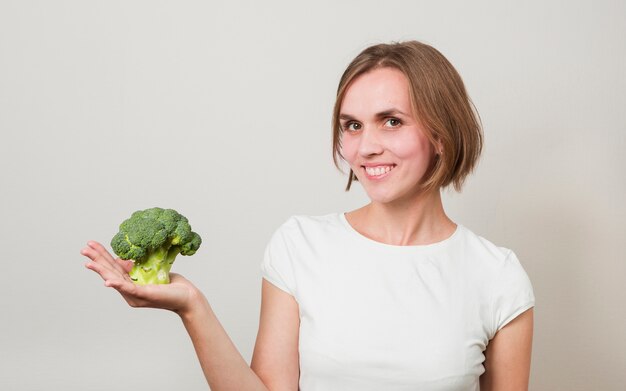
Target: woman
[391,296]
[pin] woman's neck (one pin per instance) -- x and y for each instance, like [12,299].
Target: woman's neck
[418,222]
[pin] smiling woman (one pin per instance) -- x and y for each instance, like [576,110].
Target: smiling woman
[395,295]
[391,296]
[433,98]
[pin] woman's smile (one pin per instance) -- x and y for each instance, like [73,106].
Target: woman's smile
[376,172]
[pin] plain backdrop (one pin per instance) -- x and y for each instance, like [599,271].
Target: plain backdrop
[221,110]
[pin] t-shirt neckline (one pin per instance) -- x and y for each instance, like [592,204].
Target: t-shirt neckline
[419,247]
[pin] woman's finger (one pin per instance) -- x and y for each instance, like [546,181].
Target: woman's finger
[177,278]
[113,279]
[97,259]
[122,286]
[139,295]
[128,290]
[94,255]
[100,249]
[105,272]
[127,266]
[98,253]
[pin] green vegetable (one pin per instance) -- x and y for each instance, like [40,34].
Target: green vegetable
[152,239]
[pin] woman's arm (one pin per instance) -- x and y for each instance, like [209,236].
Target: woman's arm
[275,364]
[276,358]
[223,366]
[507,357]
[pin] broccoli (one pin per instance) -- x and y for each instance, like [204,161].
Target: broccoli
[152,239]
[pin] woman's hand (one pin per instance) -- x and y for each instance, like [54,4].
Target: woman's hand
[177,296]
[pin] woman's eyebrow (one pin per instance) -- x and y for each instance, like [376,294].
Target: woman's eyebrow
[382,114]
[390,113]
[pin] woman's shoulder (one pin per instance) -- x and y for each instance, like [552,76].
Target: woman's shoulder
[301,232]
[310,222]
[485,250]
[501,277]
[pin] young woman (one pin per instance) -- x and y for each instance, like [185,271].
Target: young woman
[390,296]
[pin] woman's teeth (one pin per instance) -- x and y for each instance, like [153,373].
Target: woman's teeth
[379,170]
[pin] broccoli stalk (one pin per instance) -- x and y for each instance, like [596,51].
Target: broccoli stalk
[152,239]
[155,268]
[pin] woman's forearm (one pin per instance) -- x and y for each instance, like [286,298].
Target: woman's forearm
[223,366]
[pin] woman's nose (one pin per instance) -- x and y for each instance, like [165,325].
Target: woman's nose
[370,143]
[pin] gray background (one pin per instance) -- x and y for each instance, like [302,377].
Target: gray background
[222,111]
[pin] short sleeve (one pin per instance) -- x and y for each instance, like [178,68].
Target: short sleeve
[513,292]
[277,266]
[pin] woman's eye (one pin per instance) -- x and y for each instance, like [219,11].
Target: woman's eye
[393,122]
[352,126]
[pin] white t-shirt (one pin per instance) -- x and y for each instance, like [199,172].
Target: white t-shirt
[375,316]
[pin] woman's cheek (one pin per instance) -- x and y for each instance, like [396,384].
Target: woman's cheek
[409,146]
[348,149]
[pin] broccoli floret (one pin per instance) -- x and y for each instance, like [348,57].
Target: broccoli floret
[152,239]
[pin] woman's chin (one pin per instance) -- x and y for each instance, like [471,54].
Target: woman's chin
[389,198]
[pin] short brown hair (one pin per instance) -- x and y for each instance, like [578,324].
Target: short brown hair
[440,103]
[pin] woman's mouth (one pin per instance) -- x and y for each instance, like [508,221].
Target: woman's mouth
[378,172]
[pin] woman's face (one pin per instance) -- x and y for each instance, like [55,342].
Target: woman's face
[381,140]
